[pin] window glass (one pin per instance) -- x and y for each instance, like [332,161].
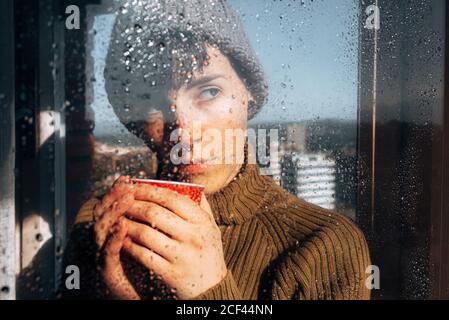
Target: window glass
[338,113]
[312,99]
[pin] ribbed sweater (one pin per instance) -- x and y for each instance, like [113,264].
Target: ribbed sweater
[276,246]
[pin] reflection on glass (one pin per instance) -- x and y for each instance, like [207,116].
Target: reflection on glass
[312,99]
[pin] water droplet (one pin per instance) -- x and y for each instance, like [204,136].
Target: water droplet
[39,237]
[138,28]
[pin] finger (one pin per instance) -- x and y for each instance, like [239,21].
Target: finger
[152,239]
[110,217]
[206,206]
[98,211]
[115,242]
[122,179]
[173,201]
[121,187]
[147,258]
[160,218]
[113,271]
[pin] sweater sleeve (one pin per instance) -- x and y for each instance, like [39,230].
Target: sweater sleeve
[225,290]
[328,265]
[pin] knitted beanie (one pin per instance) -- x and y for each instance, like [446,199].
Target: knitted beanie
[136,41]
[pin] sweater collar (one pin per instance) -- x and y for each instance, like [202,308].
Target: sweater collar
[242,198]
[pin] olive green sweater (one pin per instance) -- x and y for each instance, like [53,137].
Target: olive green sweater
[276,246]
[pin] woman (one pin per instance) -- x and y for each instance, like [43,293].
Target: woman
[172,65]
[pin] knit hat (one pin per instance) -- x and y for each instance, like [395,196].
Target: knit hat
[148,34]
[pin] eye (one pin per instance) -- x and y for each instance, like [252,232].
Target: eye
[209,93]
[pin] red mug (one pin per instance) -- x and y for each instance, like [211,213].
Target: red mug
[193,191]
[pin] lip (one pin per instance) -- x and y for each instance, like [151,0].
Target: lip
[198,167]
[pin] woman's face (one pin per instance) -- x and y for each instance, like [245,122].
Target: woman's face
[206,112]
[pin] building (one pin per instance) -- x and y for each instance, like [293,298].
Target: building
[311,177]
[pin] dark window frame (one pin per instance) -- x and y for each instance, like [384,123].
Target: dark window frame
[440,192]
[403,148]
[7,152]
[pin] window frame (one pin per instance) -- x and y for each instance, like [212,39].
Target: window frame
[7,153]
[376,147]
[388,132]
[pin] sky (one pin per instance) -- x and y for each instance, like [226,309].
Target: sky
[308,49]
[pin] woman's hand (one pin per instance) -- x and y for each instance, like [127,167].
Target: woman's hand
[175,238]
[110,233]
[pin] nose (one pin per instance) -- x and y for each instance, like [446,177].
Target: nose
[189,130]
[184,118]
